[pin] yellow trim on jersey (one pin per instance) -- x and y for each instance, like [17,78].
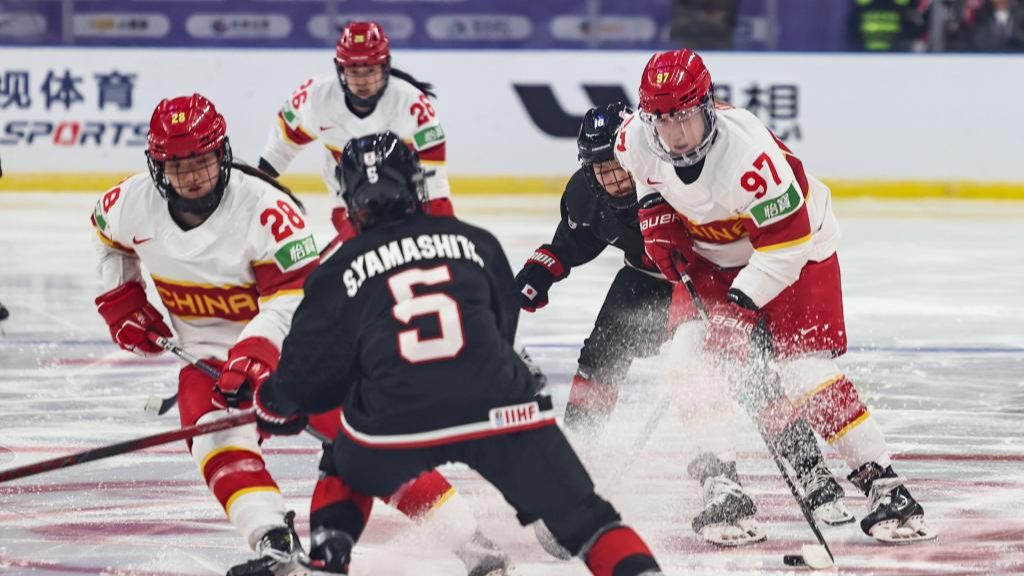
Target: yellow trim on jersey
[433,162]
[243,492]
[805,397]
[104,239]
[782,245]
[200,284]
[221,450]
[838,435]
[332,148]
[510,184]
[269,297]
[440,501]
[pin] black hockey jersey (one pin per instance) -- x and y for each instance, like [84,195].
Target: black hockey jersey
[589,225]
[410,327]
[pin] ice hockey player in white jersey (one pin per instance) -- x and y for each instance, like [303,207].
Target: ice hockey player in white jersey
[227,250]
[365,95]
[727,203]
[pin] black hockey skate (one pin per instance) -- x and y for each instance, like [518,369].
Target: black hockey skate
[824,496]
[728,515]
[894,515]
[280,551]
[4,314]
[484,558]
[331,552]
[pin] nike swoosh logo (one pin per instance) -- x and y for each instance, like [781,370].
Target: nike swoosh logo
[143,241]
[326,128]
[653,182]
[804,332]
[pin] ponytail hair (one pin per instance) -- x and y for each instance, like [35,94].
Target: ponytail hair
[425,87]
[257,173]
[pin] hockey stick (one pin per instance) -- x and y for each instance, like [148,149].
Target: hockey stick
[161,406]
[233,421]
[816,557]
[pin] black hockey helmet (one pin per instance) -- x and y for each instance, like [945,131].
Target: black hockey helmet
[596,146]
[381,180]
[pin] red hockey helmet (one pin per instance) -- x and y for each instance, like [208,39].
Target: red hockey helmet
[363,44]
[182,128]
[675,87]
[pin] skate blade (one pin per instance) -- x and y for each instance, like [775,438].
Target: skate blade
[548,542]
[834,514]
[914,530]
[743,532]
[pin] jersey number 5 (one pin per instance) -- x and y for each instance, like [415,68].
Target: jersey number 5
[409,306]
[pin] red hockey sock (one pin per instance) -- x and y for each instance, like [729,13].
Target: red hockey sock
[619,552]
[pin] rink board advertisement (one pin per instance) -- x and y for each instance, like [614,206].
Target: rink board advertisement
[930,122]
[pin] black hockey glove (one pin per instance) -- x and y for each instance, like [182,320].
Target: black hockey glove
[271,423]
[535,279]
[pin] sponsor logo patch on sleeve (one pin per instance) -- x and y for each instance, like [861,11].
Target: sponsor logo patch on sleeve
[98,215]
[777,208]
[296,252]
[428,137]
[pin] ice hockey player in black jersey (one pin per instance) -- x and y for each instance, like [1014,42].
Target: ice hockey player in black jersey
[409,327]
[599,209]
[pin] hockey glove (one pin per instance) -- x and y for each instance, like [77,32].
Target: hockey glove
[665,239]
[731,326]
[535,279]
[250,362]
[129,316]
[269,421]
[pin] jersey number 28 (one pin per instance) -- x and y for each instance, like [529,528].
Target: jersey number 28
[409,306]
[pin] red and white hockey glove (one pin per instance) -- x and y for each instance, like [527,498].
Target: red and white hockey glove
[731,327]
[665,239]
[250,362]
[269,422]
[129,316]
[535,279]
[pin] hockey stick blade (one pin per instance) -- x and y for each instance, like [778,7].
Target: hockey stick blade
[815,557]
[157,406]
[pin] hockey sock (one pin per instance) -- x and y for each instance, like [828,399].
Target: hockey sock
[835,411]
[589,402]
[335,506]
[619,551]
[430,500]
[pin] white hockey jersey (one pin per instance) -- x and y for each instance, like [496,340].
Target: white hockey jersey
[238,274]
[753,204]
[317,110]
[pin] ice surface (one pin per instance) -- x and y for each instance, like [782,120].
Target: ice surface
[933,302]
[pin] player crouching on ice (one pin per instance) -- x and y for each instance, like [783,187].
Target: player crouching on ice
[228,250]
[726,202]
[409,326]
[599,209]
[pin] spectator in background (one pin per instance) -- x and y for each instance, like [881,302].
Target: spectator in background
[704,24]
[993,26]
[883,25]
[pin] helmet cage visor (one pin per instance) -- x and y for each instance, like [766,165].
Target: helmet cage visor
[367,101]
[611,182]
[193,174]
[682,137]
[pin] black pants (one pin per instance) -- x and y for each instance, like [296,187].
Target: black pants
[632,323]
[536,471]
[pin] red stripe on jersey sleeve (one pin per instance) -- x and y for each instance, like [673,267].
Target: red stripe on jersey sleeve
[298,135]
[434,153]
[795,164]
[108,242]
[789,230]
[270,280]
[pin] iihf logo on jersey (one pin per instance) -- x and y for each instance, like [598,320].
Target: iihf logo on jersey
[517,415]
